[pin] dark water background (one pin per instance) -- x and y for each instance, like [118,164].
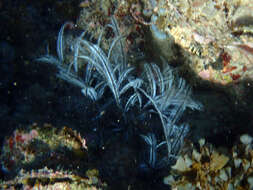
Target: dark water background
[30,92]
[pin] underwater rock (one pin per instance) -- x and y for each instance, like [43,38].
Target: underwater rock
[211,40]
[45,179]
[95,15]
[42,146]
[47,157]
[215,37]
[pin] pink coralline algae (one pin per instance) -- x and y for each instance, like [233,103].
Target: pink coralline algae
[25,138]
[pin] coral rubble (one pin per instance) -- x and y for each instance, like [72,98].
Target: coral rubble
[206,167]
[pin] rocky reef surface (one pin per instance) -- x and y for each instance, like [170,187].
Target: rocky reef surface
[208,42]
